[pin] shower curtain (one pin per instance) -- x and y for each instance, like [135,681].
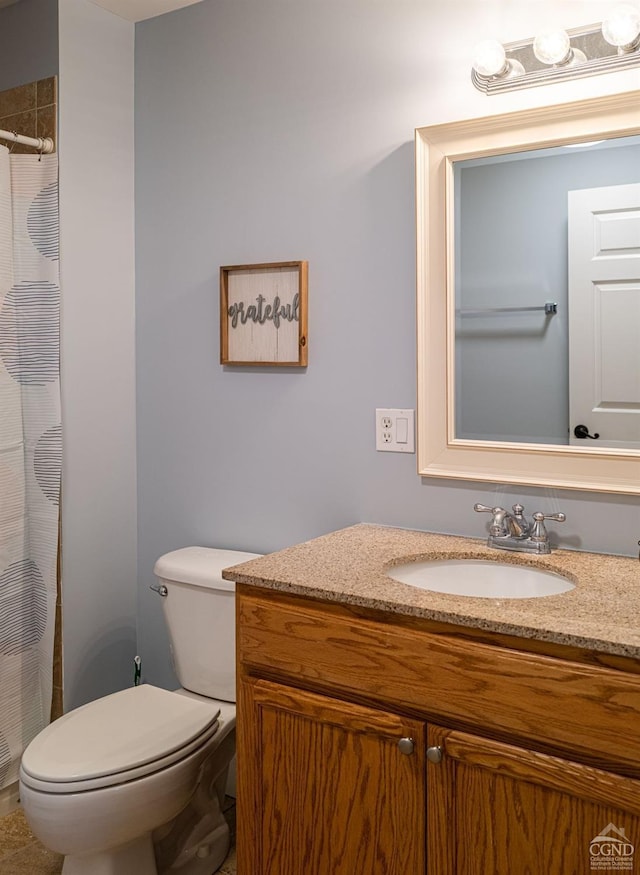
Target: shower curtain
[30,447]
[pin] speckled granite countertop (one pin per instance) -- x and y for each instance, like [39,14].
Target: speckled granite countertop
[601,614]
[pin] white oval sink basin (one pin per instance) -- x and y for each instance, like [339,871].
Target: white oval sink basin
[479,578]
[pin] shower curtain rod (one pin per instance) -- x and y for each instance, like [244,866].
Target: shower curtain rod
[42,144]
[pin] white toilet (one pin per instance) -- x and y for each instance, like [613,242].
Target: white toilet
[133,783]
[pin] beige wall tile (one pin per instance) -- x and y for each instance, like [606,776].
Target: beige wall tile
[30,110]
[46,91]
[16,100]
[46,122]
[23,123]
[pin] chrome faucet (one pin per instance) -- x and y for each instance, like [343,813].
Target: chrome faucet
[512,531]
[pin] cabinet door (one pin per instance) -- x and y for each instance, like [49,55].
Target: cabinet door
[494,808]
[324,787]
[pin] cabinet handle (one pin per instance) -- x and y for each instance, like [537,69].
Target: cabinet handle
[434,754]
[406,746]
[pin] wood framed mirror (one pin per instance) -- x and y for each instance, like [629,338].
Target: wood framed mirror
[446,447]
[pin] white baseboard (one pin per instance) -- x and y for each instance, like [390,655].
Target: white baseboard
[8,799]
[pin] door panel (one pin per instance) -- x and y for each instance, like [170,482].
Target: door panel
[336,794]
[604,314]
[508,811]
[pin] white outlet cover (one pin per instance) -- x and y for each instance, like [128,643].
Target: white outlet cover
[391,438]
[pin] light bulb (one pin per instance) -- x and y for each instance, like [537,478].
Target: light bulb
[489,58]
[552,47]
[622,29]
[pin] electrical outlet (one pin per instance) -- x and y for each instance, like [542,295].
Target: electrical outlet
[395,431]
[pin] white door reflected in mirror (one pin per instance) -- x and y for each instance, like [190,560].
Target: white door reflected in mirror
[604,315]
[546,334]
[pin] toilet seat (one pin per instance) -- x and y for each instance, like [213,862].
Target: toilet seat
[127,735]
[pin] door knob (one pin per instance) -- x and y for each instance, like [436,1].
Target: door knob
[406,746]
[581,431]
[434,754]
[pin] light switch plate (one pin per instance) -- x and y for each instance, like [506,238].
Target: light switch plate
[395,431]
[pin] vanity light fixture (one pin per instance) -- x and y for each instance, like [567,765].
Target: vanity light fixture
[557,55]
[554,47]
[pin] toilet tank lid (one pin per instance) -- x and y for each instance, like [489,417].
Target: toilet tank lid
[200,566]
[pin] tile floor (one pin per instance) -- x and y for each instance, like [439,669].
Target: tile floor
[22,854]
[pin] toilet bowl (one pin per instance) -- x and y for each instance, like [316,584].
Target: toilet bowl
[134,783]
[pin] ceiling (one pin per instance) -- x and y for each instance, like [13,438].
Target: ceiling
[138,10]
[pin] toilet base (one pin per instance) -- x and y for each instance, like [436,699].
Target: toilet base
[197,841]
[134,858]
[206,858]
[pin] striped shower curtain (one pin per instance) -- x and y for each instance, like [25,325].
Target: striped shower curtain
[30,447]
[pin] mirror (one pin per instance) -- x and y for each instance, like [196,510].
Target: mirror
[496,393]
[526,356]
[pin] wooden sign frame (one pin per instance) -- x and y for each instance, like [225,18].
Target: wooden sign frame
[263,314]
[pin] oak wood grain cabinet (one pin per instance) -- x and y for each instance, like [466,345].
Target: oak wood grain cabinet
[334,792]
[497,808]
[531,755]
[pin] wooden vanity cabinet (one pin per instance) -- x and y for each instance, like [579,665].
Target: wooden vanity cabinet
[333,792]
[500,809]
[370,744]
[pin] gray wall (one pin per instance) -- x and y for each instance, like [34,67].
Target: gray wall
[512,375]
[270,131]
[28,42]
[99,546]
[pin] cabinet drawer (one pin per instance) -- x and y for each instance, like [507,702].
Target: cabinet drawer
[589,711]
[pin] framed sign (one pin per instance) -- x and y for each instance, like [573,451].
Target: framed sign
[263,314]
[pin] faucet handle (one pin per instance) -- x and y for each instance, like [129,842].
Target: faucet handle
[539,530]
[498,526]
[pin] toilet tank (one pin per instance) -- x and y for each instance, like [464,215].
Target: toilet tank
[199,610]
